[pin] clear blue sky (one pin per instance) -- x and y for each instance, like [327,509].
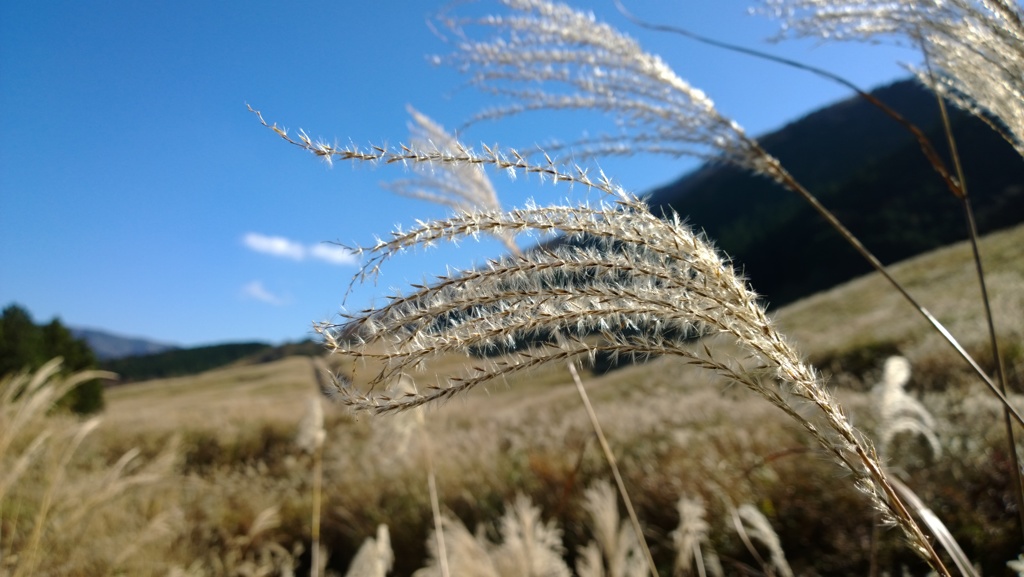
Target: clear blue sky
[138,195]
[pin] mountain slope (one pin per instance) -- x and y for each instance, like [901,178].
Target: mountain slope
[195,360]
[107,346]
[180,362]
[866,169]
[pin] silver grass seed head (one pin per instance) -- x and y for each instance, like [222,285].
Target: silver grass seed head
[973,49]
[551,56]
[707,293]
[899,412]
[529,546]
[375,557]
[760,529]
[690,540]
[311,434]
[896,372]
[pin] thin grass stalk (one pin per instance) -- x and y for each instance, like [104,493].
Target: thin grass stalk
[435,502]
[853,241]
[938,528]
[310,439]
[972,234]
[406,384]
[698,560]
[318,482]
[435,508]
[610,458]
[741,531]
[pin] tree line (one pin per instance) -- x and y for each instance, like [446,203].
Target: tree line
[25,346]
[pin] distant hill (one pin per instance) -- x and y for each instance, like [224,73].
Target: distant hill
[869,172]
[181,362]
[106,346]
[191,361]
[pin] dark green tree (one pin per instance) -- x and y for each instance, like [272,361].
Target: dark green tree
[26,346]
[20,341]
[57,341]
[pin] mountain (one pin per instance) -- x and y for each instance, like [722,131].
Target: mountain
[181,362]
[190,361]
[108,346]
[866,169]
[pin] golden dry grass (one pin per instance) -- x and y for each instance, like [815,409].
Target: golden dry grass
[237,394]
[235,494]
[867,310]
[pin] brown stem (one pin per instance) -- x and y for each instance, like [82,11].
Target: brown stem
[972,234]
[791,183]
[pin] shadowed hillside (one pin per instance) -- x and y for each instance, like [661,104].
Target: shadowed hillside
[870,173]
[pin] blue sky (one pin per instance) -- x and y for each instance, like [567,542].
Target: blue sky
[138,195]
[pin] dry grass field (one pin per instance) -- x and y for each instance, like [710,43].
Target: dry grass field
[738,457]
[202,475]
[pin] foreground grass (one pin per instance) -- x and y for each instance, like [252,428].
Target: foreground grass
[216,485]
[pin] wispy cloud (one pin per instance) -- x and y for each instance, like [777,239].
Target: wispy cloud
[255,290]
[274,245]
[333,254]
[280,246]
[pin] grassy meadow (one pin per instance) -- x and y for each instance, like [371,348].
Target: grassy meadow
[202,475]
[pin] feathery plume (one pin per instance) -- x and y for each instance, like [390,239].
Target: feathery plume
[615,541]
[589,562]
[311,434]
[975,46]
[689,538]
[466,553]
[1017,565]
[550,56]
[638,272]
[528,547]
[752,524]
[458,186]
[375,557]
[898,412]
[543,46]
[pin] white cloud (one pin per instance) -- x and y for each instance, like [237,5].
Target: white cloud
[286,248]
[333,254]
[256,290]
[275,245]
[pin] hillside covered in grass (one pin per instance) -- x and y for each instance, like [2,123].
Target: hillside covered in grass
[194,360]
